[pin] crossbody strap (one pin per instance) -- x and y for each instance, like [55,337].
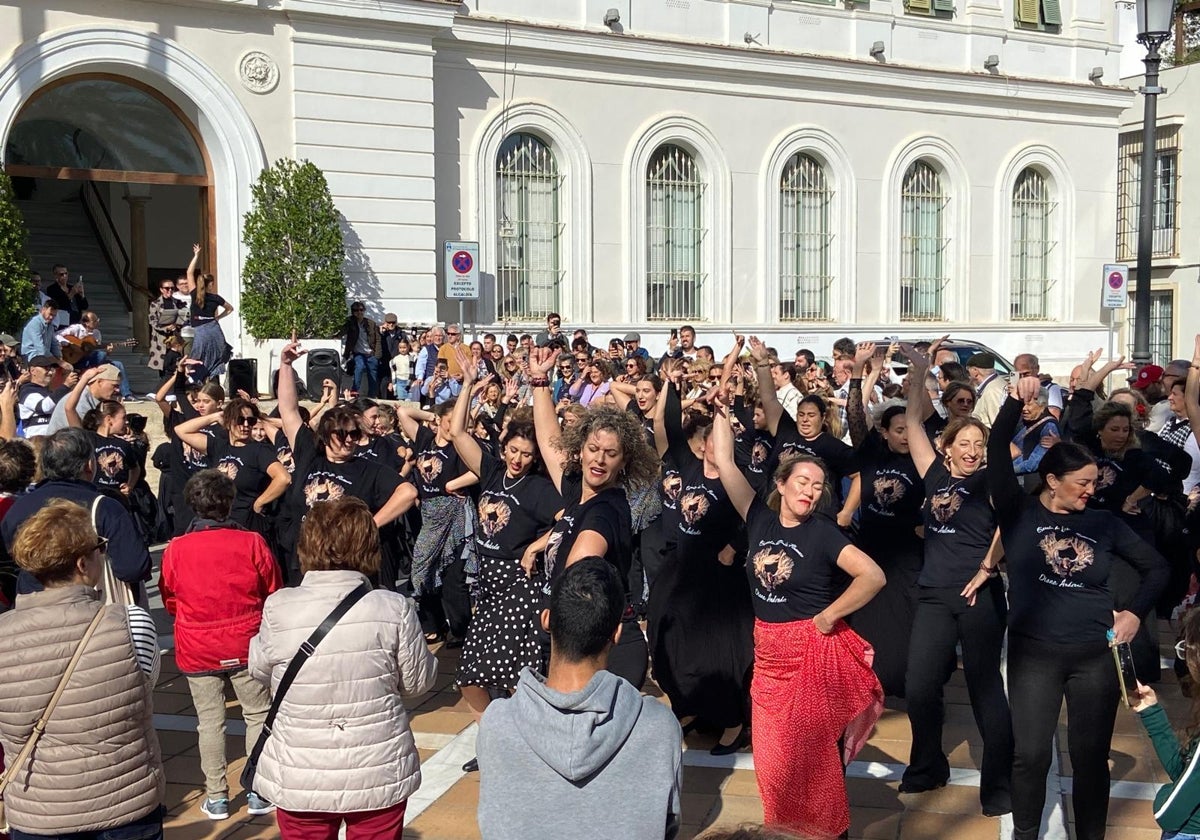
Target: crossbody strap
[306,650]
[39,728]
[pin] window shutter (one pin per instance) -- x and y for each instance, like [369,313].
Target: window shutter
[1052,12]
[1027,12]
[920,6]
[943,6]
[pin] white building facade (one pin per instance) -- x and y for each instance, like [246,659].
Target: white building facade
[803,170]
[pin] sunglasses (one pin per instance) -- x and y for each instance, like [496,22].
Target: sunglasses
[581,360]
[168,288]
[631,366]
[348,435]
[250,422]
[101,545]
[453,333]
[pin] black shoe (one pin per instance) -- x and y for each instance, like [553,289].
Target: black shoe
[452,642]
[471,766]
[913,787]
[740,742]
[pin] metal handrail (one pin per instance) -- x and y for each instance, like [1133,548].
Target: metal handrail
[110,241]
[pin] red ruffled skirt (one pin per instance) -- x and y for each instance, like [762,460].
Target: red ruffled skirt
[809,690]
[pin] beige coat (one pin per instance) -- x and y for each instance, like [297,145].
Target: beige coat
[341,742]
[98,764]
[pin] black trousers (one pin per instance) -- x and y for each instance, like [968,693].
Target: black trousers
[942,621]
[1040,674]
[649,552]
[449,606]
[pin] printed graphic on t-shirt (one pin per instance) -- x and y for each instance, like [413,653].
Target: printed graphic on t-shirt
[736,425]
[1193,500]
[759,454]
[322,487]
[494,515]
[944,505]
[772,567]
[1106,477]
[194,457]
[229,468]
[1066,553]
[429,465]
[284,456]
[672,483]
[693,506]
[111,463]
[889,489]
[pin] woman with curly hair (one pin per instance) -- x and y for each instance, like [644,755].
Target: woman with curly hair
[1061,556]
[590,463]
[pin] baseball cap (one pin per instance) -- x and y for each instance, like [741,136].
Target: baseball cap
[983,361]
[1147,376]
[632,336]
[109,373]
[43,361]
[8,340]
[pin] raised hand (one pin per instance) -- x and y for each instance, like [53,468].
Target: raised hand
[863,352]
[541,360]
[470,372]
[1027,388]
[290,352]
[758,350]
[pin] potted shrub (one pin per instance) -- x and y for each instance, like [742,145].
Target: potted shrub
[293,277]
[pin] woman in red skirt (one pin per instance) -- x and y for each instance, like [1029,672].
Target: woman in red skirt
[814,696]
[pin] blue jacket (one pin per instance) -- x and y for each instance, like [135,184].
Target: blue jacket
[130,559]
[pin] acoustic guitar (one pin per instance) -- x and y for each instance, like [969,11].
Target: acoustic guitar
[74,348]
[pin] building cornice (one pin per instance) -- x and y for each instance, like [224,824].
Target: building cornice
[758,71]
[429,15]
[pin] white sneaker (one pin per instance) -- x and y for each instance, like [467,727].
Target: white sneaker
[215,809]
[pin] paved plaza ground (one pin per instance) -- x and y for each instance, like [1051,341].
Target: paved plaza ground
[716,791]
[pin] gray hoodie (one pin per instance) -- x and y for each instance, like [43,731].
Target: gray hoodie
[599,764]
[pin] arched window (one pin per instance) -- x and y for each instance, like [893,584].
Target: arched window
[923,244]
[675,233]
[805,240]
[528,229]
[1032,243]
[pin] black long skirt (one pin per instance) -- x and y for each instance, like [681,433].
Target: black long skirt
[700,623]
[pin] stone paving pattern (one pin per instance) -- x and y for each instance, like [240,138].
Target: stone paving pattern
[711,796]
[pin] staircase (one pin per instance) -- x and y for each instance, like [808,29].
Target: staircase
[59,232]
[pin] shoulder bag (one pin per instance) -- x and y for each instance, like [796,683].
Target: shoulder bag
[39,728]
[306,650]
[115,590]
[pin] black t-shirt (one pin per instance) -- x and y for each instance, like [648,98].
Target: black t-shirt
[317,479]
[1059,563]
[959,526]
[208,312]
[114,458]
[892,492]
[700,519]
[247,466]
[185,461]
[791,570]
[647,423]
[607,513]
[383,450]
[283,452]
[435,465]
[837,456]
[512,512]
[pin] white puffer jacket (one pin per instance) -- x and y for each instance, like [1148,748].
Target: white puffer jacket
[341,742]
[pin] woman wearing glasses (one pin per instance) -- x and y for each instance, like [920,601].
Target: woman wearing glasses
[326,469]
[167,315]
[256,472]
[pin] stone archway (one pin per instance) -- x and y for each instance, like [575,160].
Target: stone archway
[225,132]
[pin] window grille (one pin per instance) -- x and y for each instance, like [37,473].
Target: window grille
[675,234]
[923,244]
[1032,243]
[1166,193]
[1162,325]
[529,230]
[805,241]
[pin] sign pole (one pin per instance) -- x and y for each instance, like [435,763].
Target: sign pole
[1114,295]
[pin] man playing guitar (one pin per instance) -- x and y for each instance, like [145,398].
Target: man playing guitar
[83,347]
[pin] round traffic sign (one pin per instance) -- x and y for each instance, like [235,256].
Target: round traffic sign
[462,262]
[1116,280]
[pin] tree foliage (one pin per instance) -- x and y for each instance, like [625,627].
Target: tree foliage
[16,295]
[293,277]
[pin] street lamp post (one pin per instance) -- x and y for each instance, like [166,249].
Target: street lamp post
[1155,19]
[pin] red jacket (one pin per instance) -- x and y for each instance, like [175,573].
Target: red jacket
[214,581]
